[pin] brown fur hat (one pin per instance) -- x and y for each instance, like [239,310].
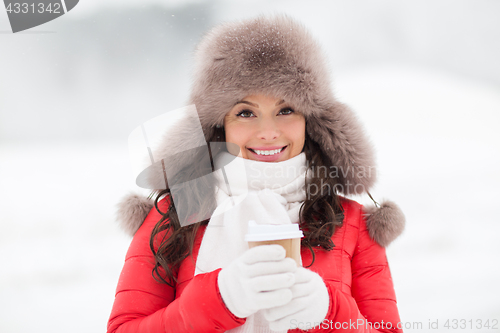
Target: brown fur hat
[277,56]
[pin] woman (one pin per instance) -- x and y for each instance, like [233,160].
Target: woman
[288,149]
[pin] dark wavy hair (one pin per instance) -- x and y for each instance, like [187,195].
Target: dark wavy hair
[320,215]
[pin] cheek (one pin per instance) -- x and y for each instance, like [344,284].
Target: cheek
[235,133]
[239,135]
[298,134]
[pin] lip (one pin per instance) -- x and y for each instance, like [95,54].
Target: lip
[268,158]
[267,147]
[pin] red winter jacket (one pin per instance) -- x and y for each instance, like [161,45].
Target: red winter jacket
[356,273]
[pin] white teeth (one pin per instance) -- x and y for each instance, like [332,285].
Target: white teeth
[268,152]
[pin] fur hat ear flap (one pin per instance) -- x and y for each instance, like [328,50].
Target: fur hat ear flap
[132,211]
[385,222]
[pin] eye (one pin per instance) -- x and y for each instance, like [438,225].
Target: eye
[245,114]
[286,111]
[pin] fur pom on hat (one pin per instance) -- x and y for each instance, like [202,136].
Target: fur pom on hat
[273,56]
[384,223]
[132,211]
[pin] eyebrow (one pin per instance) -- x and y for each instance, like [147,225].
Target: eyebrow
[256,105]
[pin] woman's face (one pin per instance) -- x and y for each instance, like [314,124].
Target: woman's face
[265,129]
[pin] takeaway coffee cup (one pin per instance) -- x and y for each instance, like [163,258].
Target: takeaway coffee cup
[286,235]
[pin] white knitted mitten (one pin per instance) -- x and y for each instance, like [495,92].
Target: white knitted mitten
[309,304]
[259,279]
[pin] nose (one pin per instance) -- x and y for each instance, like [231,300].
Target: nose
[268,130]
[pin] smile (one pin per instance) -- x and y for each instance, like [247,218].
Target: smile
[267,152]
[267,155]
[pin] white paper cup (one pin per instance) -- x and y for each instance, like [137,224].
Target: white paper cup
[286,235]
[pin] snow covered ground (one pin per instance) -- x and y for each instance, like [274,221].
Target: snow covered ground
[437,142]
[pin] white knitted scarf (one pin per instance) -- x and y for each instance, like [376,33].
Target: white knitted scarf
[269,193]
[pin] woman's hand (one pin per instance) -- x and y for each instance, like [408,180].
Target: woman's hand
[309,304]
[259,279]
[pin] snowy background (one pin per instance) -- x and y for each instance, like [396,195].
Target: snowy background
[423,77]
